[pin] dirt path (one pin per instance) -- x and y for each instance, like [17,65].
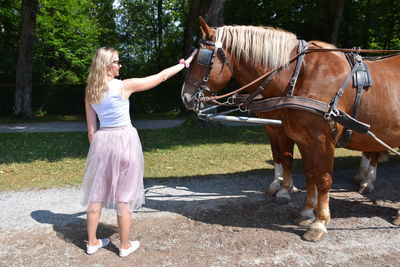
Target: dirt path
[215,221]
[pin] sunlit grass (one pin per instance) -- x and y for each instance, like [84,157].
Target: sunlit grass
[44,160]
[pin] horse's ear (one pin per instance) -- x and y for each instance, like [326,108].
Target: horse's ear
[205,29]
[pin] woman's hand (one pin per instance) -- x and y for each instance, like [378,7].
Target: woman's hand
[187,61]
[90,137]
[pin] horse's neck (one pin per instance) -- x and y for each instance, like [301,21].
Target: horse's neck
[247,73]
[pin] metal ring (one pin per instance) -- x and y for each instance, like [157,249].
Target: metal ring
[198,95]
[241,109]
[231,100]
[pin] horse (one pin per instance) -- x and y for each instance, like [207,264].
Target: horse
[249,52]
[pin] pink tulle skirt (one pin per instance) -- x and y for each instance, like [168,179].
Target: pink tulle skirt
[114,171]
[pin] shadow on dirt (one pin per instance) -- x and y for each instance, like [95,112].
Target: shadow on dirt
[72,228]
[239,200]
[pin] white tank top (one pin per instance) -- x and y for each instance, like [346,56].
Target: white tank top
[113,110]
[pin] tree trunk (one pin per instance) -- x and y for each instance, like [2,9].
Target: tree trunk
[334,13]
[159,32]
[367,23]
[23,90]
[211,10]
[214,13]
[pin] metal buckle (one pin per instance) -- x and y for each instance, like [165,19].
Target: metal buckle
[330,113]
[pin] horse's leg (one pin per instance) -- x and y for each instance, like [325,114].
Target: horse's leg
[362,171]
[286,158]
[282,151]
[307,215]
[318,164]
[272,135]
[367,185]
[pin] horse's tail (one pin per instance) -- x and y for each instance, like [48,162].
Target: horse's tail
[383,156]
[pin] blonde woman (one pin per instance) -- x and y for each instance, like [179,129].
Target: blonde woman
[114,169]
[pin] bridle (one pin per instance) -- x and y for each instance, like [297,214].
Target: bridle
[206,58]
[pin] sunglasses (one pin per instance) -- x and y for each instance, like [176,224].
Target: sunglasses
[116,62]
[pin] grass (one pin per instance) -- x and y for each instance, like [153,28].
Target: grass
[44,160]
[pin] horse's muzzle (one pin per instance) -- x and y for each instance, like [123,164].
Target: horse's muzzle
[190,98]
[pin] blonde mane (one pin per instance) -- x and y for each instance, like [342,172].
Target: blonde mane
[267,46]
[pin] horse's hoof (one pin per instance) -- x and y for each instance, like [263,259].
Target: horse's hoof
[396,221]
[316,232]
[274,187]
[314,235]
[366,188]
[282,197]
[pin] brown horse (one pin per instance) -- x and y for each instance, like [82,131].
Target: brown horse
[249,52]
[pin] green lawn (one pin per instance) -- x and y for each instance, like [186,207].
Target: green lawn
[43,160]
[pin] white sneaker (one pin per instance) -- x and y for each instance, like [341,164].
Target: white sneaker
[92,249]
[125,252]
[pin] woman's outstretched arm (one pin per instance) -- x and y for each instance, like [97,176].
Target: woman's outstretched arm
[134,85]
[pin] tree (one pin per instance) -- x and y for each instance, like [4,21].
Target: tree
[211,10]
[333,16]
[23,90]
[9,33]
[103,14]
[68,32]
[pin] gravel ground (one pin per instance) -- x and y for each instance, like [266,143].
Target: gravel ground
[220,220]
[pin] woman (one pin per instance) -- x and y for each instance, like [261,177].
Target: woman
[114,168]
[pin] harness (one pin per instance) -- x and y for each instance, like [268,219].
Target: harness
[254,102]
[361,80]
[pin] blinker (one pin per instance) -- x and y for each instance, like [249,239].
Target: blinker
[205,57]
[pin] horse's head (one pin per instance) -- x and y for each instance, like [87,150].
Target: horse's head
[241,52]
[210,70]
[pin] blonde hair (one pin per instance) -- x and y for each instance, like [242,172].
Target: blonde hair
[268,46]
[97,78]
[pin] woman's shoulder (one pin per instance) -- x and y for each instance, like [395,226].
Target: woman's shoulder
[115,83]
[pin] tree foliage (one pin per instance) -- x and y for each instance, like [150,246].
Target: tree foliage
[67,36]
[153,34]
[9,32]
[364,23]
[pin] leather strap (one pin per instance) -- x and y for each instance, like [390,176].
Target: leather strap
[301,52]
[308,104]
[361,80]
